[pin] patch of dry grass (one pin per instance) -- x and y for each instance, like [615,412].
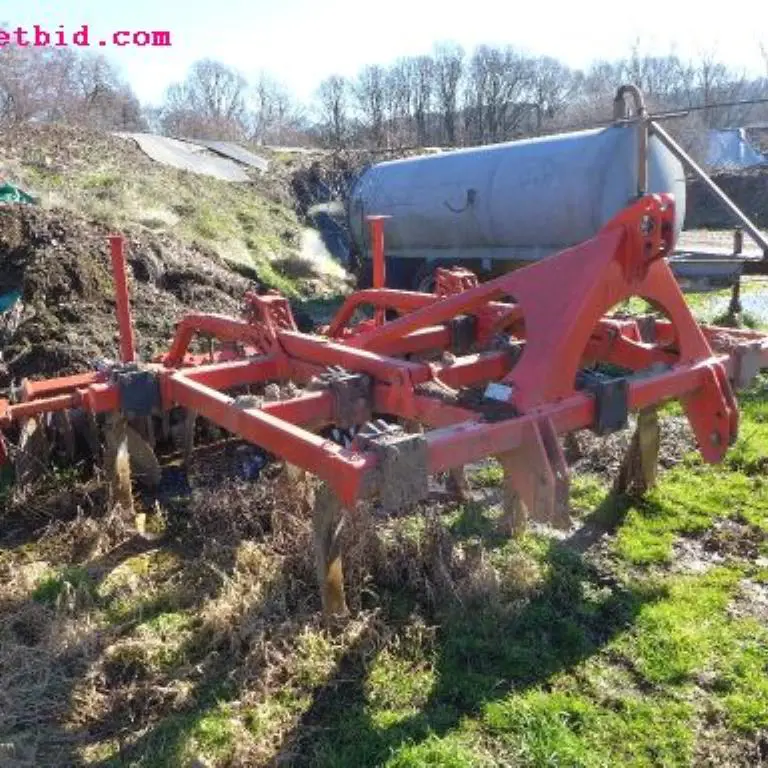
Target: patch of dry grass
[206,642]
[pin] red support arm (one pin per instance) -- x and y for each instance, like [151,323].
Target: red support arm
[127,339]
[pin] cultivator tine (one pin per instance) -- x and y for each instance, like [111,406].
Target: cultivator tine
[190,422]
[536,481]
[294,478]
[514,519]
[328,521]
[640,465]
[119,464]
[31,457]
[145,427]
[144,463]
[456,483]
[79,426]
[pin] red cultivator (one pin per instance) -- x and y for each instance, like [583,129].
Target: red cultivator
[498,369]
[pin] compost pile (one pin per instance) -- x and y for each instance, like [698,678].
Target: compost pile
[66,150]
[747,188]
[65,319]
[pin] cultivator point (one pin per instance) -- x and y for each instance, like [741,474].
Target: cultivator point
[501,368]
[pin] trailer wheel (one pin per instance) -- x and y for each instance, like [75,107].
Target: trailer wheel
[401,273]
[424,278]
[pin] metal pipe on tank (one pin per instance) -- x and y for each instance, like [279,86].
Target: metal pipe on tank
[621,112]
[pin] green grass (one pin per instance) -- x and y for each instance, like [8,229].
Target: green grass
[51,587]
[489,475]
[587,493]
[704,305]
[554,728]
[455,751]
[689,501]
[212,735]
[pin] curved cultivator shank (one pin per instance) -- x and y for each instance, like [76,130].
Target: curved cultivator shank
[503,368]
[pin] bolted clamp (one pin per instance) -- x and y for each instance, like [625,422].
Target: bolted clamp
[463,331]
[402,474]
[352,396]
[646,324]
[139,389]
[747,359]
[611,400]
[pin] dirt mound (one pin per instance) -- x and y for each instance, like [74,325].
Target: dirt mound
[748,189]
[66,320]
[307,179]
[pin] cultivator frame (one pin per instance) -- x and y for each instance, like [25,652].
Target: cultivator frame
[501,368]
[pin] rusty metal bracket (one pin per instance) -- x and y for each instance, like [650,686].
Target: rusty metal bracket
[352,396]
[713,414]
[463,333]
[402,471]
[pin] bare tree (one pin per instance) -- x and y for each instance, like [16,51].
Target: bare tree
[128,114]
[53,73]
[209,103]
[497,91]
[370,92]
[602,78]
[274,115]
[218,91]
[665,80]
[551,85]
[178,116]
[36,83]
[333,97]
[713,82]
[449,69]
[397,104]
[497,94]
[57,84]
[101,96]
[153,118]
[709,76]
[421,80]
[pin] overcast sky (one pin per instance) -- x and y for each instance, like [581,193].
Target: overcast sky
[301,41]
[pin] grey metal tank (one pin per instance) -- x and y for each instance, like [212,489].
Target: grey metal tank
[518,201]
